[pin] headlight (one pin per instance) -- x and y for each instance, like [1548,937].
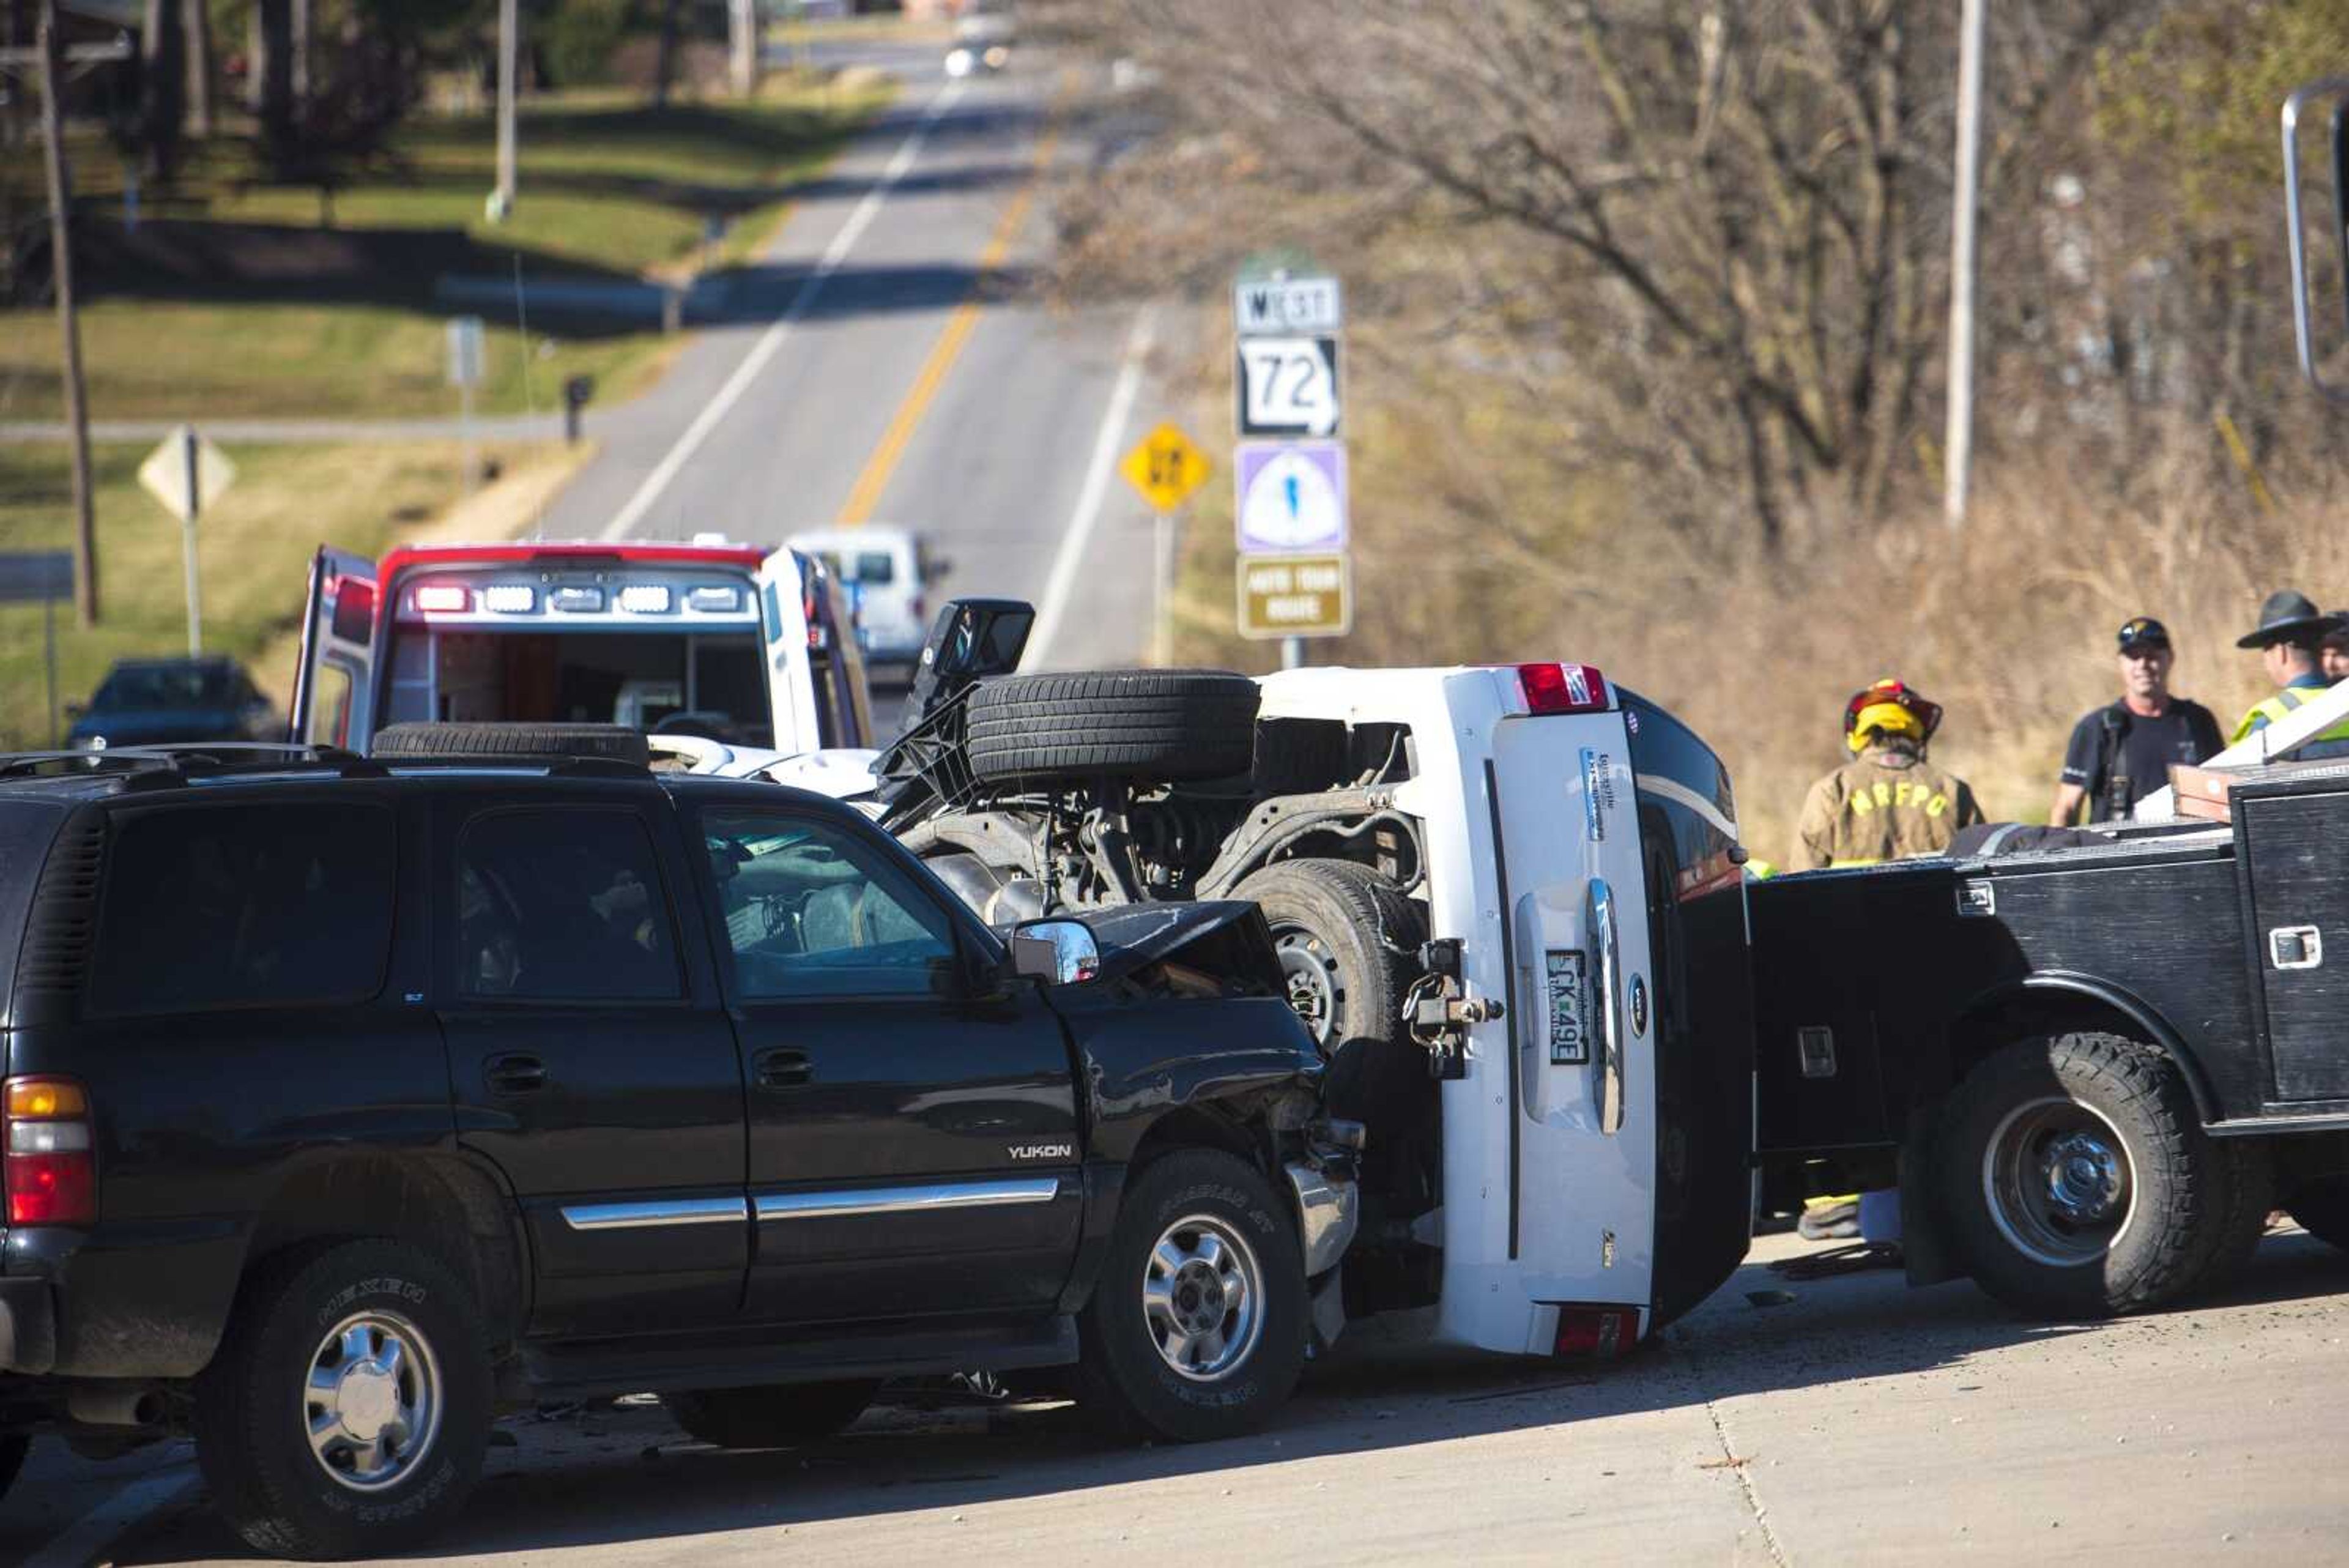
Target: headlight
[997,57]
[958,63]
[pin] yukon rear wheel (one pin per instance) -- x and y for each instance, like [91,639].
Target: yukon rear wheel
[778,1416]
[1197,1326]
[347,1413]
[2077,1180]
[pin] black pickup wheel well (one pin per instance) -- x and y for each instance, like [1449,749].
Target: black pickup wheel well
[448,1206]
[2061,1004]
[1199,1127]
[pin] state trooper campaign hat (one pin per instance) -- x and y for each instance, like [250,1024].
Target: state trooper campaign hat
[2285,615]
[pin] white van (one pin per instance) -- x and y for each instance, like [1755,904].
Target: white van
[887,575]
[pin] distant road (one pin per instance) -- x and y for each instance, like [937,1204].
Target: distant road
[891,367]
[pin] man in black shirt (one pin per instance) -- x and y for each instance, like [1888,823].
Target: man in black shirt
[2121,754]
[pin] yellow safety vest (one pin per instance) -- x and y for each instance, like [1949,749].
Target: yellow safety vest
[2277,707]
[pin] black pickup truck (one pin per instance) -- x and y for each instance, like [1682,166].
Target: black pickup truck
[2091,1070]
[349,1101]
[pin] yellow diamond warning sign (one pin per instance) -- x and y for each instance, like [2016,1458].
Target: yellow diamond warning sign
[1166,467]
[1295,596]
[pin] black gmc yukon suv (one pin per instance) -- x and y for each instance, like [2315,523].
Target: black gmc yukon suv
[350,1102]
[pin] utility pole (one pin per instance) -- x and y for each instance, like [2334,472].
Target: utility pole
[53,134]
[742,39]
[501,199]
[1959,456]
[198,26]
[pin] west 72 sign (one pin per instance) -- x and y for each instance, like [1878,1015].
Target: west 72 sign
[1289,386]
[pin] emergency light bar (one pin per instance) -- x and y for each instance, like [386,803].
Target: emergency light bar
[644,599]
[443,599]
[510,598]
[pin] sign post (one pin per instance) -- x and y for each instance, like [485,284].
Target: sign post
[46,576]
[1295,576]
[465,374]
[187,473]
[1166,467]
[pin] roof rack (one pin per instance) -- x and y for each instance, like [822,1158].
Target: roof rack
[177,758]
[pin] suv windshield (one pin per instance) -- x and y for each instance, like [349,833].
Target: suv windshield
[168,686]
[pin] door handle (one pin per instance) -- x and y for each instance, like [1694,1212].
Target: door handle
[783,1069]
[514,1075]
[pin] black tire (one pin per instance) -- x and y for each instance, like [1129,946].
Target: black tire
[2246,1172]
[2321,1208]
[1126,1385]
[615,742]
[1158,726]
[253,1447]
[1349,943]
[777,1415]
[2147,1238]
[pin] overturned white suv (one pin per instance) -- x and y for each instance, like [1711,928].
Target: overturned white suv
[1508,902]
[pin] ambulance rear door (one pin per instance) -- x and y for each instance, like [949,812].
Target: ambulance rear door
[333,676]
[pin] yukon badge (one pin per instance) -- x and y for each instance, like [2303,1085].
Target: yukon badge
[1043,1151]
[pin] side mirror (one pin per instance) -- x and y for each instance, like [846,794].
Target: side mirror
[1057,951]
[971,641]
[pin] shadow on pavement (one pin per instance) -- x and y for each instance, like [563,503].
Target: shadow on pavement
[628,1475]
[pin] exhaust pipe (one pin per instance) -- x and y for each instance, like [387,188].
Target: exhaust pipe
[114,1405]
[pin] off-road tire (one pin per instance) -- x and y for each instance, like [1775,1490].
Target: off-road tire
[2246,1171]
[774,1415]
[1126,1388]
[2321,1208]
[250,1440]
[1148,725]
[2178,1182]
[613,743]
[1355,928]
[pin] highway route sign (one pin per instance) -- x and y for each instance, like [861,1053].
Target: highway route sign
[1166,467]
[1289,386]
[1288,306]
[1292,497]
[1295,596]
[30,577]
[187,473]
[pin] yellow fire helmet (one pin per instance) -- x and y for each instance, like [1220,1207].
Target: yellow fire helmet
[1891,709]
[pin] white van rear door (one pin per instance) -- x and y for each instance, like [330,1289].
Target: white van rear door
[1583,1088]
[333,676]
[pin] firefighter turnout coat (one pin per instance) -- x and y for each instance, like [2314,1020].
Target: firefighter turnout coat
[1887,804]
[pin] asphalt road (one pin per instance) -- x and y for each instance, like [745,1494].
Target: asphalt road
[888,359]
[1860,1422]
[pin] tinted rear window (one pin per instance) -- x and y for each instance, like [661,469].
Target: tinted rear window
[210,906]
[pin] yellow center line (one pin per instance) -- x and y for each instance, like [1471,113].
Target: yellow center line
[857,509]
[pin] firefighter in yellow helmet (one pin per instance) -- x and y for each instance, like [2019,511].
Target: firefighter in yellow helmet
[1887,802]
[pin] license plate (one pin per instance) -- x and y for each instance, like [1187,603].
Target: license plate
[1568,1043]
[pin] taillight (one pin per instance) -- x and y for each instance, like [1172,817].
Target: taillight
[1600,1331]
[1563,688]
[51,1172]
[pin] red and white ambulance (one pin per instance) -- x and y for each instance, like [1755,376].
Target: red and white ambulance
[708,638]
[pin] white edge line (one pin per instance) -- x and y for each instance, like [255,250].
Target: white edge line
[657,480]
[94,1530]
[1079,536]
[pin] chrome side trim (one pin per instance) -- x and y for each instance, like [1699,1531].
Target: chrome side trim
[848,1201]
[644,1216]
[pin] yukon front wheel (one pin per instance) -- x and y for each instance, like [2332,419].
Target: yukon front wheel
[1197,1326]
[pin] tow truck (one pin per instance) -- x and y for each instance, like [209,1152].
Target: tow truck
[707,638]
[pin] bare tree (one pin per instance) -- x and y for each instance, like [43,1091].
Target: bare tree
[198,27]
[1711,236]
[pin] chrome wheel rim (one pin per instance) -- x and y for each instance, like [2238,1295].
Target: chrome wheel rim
[371,1404]
[1203,1298]
[2060,1182]
[1309,970]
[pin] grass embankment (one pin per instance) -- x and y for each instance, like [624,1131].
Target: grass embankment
[239,299]
[2009,623]
[255,549]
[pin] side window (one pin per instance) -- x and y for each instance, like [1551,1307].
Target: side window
[562,905]
[245,906]
[811,910]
